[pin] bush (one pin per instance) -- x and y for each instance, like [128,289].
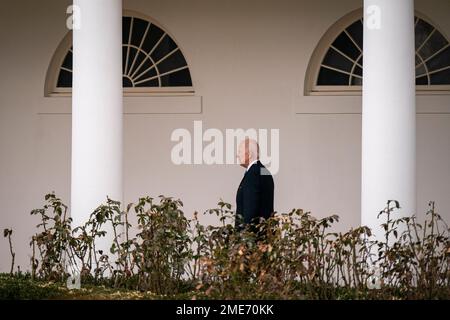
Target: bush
[289,256]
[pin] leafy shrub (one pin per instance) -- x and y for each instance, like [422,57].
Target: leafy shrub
[289,256]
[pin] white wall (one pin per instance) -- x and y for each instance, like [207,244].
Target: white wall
[248,61]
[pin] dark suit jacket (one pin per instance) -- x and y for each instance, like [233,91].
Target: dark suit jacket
[254,197]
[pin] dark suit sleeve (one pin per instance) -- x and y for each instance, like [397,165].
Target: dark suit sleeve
[252,193]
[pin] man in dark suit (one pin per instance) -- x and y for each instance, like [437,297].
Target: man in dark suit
[254,199]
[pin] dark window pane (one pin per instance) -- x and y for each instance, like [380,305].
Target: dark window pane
[131,56]
[422,31]
[180,78]
[153,35]
[336,60]
[358,71]
[422,80]
[138,62]
[420,70]
[356,32]
[147,74]
[124,58]
[126,22]
[345,45]
[126,82]
[139,27]
[140,57]
[418,60]
[356,81]
[151,83]
[441,77]
[164,47]
[67,63]
[64,79]
[436,42]
[145,66]
[441,60]
[329,77]
[174,61]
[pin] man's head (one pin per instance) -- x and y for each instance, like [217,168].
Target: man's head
[248,151]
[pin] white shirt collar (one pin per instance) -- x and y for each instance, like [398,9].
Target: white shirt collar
[252,163]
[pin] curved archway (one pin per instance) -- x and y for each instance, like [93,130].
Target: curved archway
[335,67]
[153,63]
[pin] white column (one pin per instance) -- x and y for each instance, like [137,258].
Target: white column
[389,112]
[96,109]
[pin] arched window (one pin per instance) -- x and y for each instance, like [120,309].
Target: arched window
[337,62]
[153,63]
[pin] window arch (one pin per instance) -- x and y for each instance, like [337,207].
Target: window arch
[153,63]
[337,62]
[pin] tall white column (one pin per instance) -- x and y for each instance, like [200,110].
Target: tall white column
[389,111]
[96,108]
